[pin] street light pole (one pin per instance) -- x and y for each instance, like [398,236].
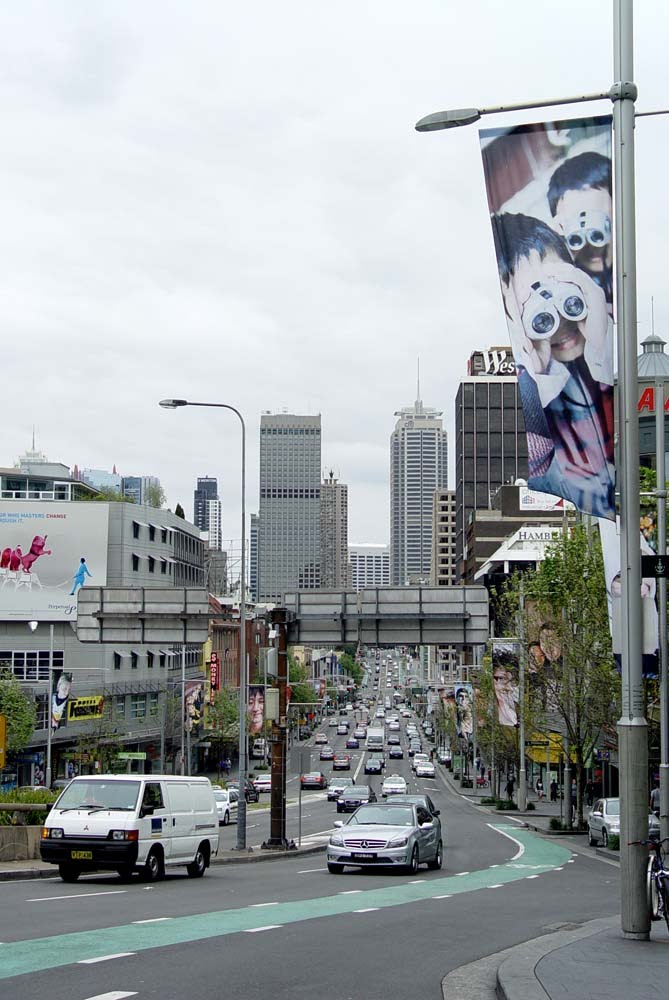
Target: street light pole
[632,728]
[173,404]
[661,493]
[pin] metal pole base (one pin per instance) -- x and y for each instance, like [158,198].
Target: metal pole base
[633,761]
[278,844]
[522,790]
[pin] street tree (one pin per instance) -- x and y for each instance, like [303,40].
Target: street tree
[19,710]
[571,684]
[155,495]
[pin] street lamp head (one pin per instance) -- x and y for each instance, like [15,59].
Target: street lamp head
[172,404]
[33,626]
[448,119]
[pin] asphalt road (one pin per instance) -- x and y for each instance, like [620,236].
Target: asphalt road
[288,929]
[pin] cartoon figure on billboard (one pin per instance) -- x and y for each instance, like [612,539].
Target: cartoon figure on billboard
[37,549]
[80,575]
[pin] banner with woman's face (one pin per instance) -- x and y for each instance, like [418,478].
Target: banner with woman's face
[464,709]
[550,197]
[505,676]
[256,707]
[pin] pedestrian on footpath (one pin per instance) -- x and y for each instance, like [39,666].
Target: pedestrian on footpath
[589,793]
[655,800]
[554,790]
[540,789]
[509,789]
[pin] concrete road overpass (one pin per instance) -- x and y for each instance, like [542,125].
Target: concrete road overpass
[390,616]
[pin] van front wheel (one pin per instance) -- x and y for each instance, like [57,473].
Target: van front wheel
[69,873]
[198,865]
[154,869]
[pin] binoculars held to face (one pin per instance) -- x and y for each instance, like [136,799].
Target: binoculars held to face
[552,301]
[588,227]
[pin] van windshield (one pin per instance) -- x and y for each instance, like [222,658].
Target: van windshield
[99,794]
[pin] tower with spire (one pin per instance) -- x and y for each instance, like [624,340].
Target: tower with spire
[418,466]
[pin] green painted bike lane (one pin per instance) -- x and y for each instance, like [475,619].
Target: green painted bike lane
[533,857]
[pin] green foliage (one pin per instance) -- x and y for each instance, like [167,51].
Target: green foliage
[530,806]
[155,495]
[106,496]
[506,804]
[31,818]
[350,666]
[555,823]
[20,711]
[614,842]
[223,715]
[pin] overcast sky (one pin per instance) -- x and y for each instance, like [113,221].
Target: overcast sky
[228,202]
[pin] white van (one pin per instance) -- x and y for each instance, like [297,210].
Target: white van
[128,822]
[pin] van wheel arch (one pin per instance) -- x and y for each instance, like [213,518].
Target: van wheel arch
[200,862]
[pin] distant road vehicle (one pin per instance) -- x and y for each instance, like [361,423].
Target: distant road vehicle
[314,779]
[399,835]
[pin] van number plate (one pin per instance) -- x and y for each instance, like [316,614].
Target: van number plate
[81,855]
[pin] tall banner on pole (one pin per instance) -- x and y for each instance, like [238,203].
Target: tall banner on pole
[549,194]
[505,675]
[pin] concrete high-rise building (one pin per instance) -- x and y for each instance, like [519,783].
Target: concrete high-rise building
[334,534]
[253,556]
[490,438]
[370,566]
[289,537]
[101,479]
[418,466]
[442,570]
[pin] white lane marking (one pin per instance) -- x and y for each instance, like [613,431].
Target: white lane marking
[256,930]
[447,896]
[571,861]
[105,958]
[114,995]
[531,876]
[416,881]
[558,869]
[309,871]
[461,873]
[349,892]
[78,895]
[152,920]
[498,886]
[370,909]
[521,849]
[273,903]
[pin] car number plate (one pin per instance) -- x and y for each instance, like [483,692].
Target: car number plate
[81,855]
[364,854]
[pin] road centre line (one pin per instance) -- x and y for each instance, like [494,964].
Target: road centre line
[152,920]
[309,871]
[349,892]
[274,903]
[105,958]
[445,896]
[39,954]
[498,886]
[369,909]
[267,927]
[78,895]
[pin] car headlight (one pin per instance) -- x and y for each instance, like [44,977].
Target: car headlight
[398,842]
[55,833]
[337,840]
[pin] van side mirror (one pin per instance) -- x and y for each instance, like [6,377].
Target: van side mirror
[145,811]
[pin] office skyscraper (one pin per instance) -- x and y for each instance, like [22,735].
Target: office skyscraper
[289,536]
[253,556]
[207,510]
[370,566]
[490,438]
[418,466]
[334,534]
[443,539]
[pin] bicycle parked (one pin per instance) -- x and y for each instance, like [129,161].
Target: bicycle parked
[657,879]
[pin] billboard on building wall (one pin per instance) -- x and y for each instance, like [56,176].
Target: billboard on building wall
[48,551]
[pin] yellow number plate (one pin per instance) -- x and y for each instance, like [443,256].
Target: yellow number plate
[81,855]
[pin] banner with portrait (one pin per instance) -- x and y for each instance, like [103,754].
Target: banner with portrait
[609,532]
[550,198]
[505,677]
[464,710]
[194,706]
[256,707]
[60,693]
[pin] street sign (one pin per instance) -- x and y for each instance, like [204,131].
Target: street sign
[537,743]
[3,740]
[132,755]
[654,566]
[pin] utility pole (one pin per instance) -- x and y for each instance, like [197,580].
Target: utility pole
[277,839]
[661,493]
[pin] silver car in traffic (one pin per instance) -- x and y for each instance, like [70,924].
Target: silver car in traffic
[384,834]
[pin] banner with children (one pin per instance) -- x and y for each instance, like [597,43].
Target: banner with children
[550,197]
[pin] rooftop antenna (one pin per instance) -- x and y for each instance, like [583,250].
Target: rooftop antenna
[652,315]
[34,432]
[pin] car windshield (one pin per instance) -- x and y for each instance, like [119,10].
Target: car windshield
[221,796]
[99,794]
[613,807]
[357,790]
[382,816]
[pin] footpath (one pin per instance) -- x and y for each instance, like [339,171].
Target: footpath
[584,961]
